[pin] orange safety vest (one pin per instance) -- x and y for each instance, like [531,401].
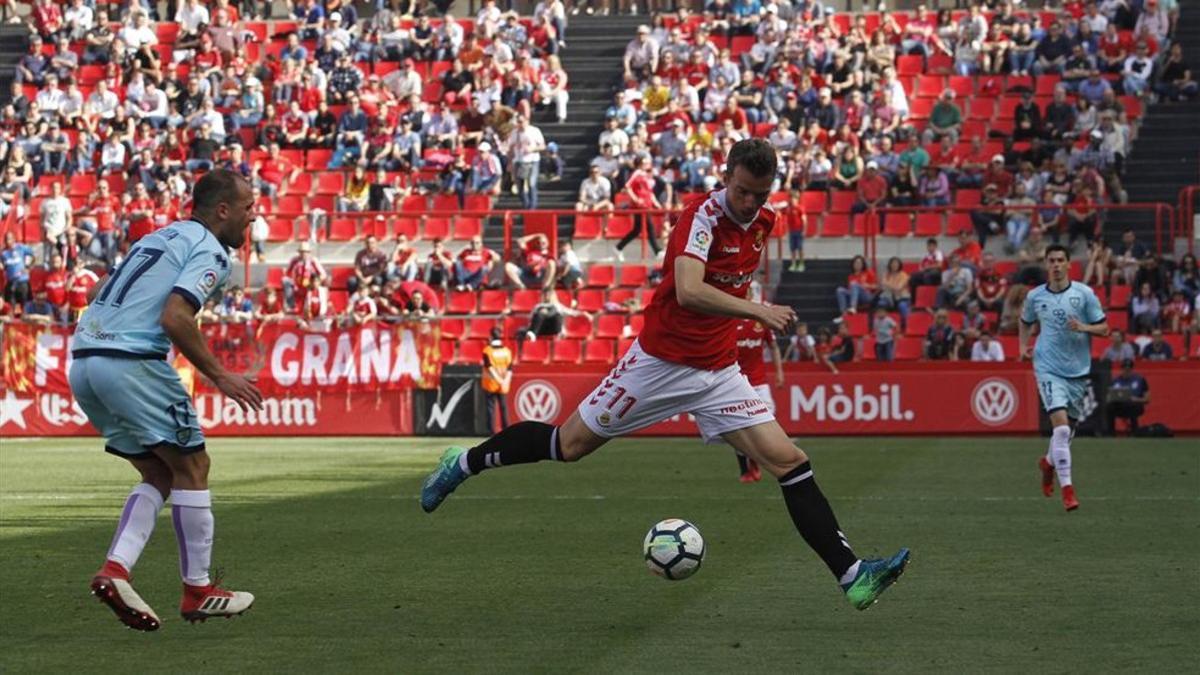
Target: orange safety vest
[499,358]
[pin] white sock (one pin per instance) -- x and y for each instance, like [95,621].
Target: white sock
[850,573]
[464,464]
[191,510]
[136,525]
[1060,454]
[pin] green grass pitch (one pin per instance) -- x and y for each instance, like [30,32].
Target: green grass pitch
[538,569]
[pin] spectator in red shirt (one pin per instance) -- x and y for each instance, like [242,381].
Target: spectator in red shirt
[990,286]
[872,191]
[99,220]
[439,266]
[797,220]
[932,264]
[304,273]
[79,284]
[860,287]
[55,283]
[1082,219]
[48,18]
[733,112]
[271,308]
[640,189]
[273,173]
[403,265]
[996,174]
[969,252]
[538,266]
[139,214]
[474,265]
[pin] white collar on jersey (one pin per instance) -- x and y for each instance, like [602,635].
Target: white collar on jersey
[720,195]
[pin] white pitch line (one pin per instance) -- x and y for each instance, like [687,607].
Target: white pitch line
[257,497]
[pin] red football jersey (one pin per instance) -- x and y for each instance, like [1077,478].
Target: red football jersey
[752,338]
[78,286]
[731,252]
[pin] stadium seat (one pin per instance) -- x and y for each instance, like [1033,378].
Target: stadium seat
[940,63]
[515,326]
[588,226]
[920,108]
[929,86]
[453,328]
[621,295]
[1046,85]
[493,302]
[566,351]
[623,346]
[478,203]
[461,302]
[338,276]
[618,226]
[320,202]
[1119,297]
[470,351]
[600,276]
[275,277]
[981,108]
[835,225]
[535,351]
[414,204]
[524,300]
[435,228]
[577,327]
[481,329]
[1018,83]
[599,351]
[633,276]
[466,228]
[330,183]
[814,201]
[280,229]
[444,203]
[636,322]
[857,323]
[317,159]
[590,300]
[610,326]
[968,197]
[343,229]
[908,348]
[290,205]
[964,87]
[959,222]
[408,226]
[926,296]
[1118,320]
[897,225]
[842,200]
[909,64]
[81,185]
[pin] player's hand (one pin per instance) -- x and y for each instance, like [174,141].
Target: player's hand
[779,379]
[241,390]
[1027,353]
[1075,325]
[778,318]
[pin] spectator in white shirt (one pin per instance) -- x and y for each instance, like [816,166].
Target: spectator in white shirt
[190,15]
[525,146]
[641,55]
[1137,71]
[987,349]
[139,33]
[595,192]
[80,18]
[103,103]
[112,156]
[1156,20]
[50,98]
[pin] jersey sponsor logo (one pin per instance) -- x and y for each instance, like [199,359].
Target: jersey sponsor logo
[750,407]
[735,280]
[833,403]
[994,401]
[538,401]
[731,249]
[439,416]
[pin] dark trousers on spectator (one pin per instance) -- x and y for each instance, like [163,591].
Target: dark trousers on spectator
[496,401]
[640,221]
[1126,410]
[545,323]
[17,293]
[885,351]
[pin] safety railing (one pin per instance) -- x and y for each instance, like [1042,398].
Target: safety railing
[1185,217]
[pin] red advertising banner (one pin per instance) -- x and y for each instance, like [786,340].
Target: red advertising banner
[281,358]
[903,398]
[383,413]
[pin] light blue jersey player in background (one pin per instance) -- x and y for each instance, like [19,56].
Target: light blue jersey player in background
[121,379]
[1067,314]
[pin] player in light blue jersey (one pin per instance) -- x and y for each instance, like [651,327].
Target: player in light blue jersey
[1067,314]
[121,379]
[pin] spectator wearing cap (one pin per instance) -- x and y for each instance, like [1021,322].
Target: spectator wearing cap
[303,275]
[1155,20]
[945,120]
[486,171]
[641,55]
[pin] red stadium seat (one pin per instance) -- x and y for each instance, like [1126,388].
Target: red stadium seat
[577,327]
[964,87]
[461,302]
[599,351]
[929,86]
[514,326]
[1119,297]
[275,277]
[929,224]
[588,226]
[926,297]
[338,276]
[610,326]
[618,226]
[857,323]
[842,200]
[478,203]
[633,276]
[524,300]
[1046,85]
[408,226]
[966,197]
[414,204]
[280,229]
[445,203]
[331,183]
[835,225]
[863,223]
[535,352]
[981,108]
[600,276]
[453,328]
[470,351]
[897,225]
[493,302]
[621,295]
[590,300]
[959,222]
[481,328]
[1118,320]
[920,108]
[466,228]
[435,228]
[343,229]
[566,351]
[909,64]
[908,348]
[815,201]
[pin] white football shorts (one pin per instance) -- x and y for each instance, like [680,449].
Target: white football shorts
[643,390]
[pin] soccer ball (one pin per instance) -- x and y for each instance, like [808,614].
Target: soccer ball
[674,549]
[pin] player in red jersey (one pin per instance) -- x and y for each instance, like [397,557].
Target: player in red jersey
[752,338]
[685,361]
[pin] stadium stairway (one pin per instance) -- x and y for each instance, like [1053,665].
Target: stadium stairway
[13,45]
[813,293]
[1166,152]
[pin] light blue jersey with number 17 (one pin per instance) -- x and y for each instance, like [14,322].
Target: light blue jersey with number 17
[125,318]
[1061,351]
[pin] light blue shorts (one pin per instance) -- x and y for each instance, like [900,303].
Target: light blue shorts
[136,404]
[1063,393]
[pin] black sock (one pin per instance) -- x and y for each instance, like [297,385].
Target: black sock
[522,443]
[743,462]
[814,519]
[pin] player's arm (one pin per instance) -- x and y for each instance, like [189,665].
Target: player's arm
[777,359]
[695,295]
[179,322]
[1025,331]
[96,288]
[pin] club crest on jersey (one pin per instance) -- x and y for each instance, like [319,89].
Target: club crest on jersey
[208,281]
[758,240]
[604,419]
[701,238]
[1076,301]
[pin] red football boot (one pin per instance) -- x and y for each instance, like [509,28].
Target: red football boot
[1070,503]
[111,585]
[201,603]
[753,473]
[1047,477]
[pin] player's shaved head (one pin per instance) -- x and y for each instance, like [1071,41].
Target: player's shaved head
[218,185]
[224,202]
